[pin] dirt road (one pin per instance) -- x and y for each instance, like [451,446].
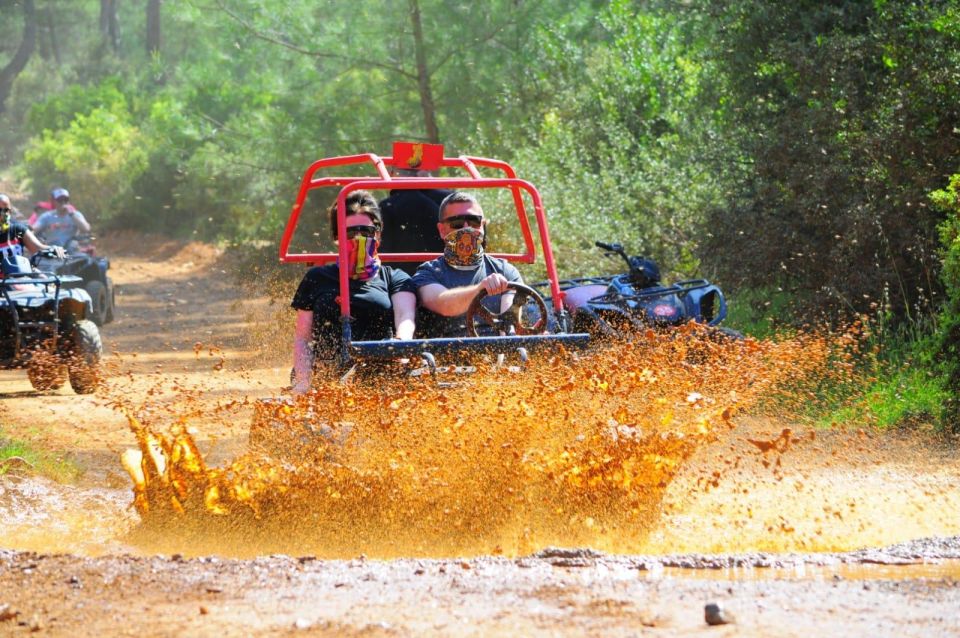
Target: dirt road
[770,533]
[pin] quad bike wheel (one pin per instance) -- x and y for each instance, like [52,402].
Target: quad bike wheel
[83,360]
[101,304]
[46,372]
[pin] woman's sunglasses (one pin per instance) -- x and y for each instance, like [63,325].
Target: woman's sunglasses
[363,231]
[457,222]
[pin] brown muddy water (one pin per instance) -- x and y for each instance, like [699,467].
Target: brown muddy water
[672,450]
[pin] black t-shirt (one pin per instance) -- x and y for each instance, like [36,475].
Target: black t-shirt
[370,305]
[11,245]
[410,223]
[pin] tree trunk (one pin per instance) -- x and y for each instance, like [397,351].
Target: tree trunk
[423,76]
[29,42]
[51,33]
[109,24]
[153,27]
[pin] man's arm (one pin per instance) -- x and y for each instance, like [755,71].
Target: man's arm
[34,245]
[41,224]
[82,224]
[452,302]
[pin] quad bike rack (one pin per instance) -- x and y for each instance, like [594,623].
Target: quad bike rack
[42,327]
[471,179]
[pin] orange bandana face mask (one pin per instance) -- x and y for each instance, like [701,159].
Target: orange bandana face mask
[464,248]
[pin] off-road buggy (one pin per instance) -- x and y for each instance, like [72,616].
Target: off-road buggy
[45,328]
[507,340]
[520,330]
[565,317]
[92,270]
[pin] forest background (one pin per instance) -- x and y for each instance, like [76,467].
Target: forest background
[804,155]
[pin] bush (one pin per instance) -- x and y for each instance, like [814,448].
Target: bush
[946,349]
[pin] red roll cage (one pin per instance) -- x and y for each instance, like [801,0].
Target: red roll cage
[472,179]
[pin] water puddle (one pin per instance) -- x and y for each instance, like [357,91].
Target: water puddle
[946,569]
[636,449]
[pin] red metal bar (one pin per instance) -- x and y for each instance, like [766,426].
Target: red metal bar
[474,180]
[529,256]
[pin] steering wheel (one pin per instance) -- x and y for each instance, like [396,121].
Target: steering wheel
[512,317]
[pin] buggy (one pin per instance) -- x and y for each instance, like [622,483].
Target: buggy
[45,328]
[525,328]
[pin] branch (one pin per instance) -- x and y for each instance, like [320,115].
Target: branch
[481,39]
[278,40]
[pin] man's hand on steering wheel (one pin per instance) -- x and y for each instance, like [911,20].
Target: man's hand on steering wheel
[512,317]
[495,284]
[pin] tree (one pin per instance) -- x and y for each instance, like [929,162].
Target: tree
[109,24]
[19,61]
[153,27]
[845,113]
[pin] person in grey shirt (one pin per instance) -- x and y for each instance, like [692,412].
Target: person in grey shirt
[61,225]
[446,285]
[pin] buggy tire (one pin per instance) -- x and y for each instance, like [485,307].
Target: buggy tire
[98,293]
[46,372]
[83,359]
[111,301]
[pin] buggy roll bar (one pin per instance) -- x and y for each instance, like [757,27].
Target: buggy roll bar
[383,180]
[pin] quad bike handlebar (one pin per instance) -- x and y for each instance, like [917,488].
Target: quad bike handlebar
[641,270]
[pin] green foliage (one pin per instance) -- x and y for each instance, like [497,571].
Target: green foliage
[41,462]
[845,111]
[899,396]
[945,346]
[97,153]
[621,147]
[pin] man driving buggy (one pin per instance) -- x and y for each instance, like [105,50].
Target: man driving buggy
[447,285]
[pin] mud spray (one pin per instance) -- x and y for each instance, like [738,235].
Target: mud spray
[574,451]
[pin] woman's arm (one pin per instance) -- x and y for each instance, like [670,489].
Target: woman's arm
[404,314]
[303,352]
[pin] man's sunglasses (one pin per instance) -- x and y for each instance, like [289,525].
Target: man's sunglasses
[4,210]
[457,222]
[63,200]
[363,231]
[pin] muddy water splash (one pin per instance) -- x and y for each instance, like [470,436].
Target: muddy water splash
[570,452]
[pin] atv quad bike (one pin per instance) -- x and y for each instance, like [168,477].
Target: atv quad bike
[636,301]
[45,328]
[92,270]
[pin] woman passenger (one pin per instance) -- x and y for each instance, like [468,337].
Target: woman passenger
[382,299]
